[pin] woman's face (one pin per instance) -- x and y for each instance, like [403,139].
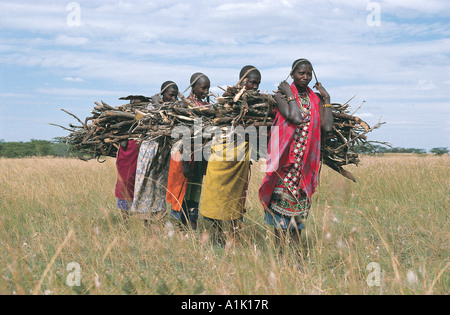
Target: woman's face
[253,81]
[302,75]
[170,94]
[201,88]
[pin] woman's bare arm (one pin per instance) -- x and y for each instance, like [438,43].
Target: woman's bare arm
[290,110]
[326,113]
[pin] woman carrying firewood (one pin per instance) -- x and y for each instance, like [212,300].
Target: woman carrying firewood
[152,173]
[184,186]
[294,152]
[226,181]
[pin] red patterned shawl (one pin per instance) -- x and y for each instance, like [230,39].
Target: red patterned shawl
[280,151]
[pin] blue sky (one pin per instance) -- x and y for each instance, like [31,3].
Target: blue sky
[400,68]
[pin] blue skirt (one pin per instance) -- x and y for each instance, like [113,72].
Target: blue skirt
[189,212]
[124,204]
[283,222]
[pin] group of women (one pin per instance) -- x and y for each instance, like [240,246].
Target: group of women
[217,189]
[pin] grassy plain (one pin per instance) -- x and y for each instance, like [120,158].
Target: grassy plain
[386,234]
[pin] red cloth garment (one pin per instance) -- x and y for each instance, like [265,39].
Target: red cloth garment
[194,101]
[281,151]
[126,163]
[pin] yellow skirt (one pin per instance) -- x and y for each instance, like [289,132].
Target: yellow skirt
[226,182]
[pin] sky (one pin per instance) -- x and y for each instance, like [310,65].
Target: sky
[393,55]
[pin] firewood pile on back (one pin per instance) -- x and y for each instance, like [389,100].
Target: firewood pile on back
[148,118]
[348,131]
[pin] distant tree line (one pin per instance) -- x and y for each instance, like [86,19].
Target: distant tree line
[58,148]
[36,148]
[380,149]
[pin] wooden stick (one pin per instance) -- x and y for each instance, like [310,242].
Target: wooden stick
[238,96]
[74,117]
[354,118]
[71,130]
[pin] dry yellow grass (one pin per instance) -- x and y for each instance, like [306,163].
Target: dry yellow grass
[54,212]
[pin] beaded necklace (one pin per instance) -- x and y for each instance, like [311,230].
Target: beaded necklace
[305,104]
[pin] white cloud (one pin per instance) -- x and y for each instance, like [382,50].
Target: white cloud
[73,92]
[15,95]
[287,3]
[413,8]
[246,7]
[425,85]
[70,40]
[70,79]
[365,115]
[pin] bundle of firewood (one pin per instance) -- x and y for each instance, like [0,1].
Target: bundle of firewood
[348,132]
[145,118]
[247,108]
[101,133]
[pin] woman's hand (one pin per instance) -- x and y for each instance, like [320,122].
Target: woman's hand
[318,86]
[285,89]
[124,144]
[184,103]
[326,114]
